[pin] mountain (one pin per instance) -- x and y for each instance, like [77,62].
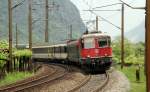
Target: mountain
[62,14]
[137,34]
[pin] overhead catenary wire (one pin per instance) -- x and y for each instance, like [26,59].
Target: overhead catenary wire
[106,5]
[103,10]
[90,7]
[19,4]
[106,20]
[103,17]
[108,10]
[142,8]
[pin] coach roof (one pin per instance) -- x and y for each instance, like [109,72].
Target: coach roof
[58,45]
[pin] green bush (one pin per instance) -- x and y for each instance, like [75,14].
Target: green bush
[4,44]
[133,52]
[3,55]
[21,53]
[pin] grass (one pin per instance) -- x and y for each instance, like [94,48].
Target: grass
[13,77]
[130,73]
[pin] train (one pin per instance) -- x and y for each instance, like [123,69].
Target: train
[91,51]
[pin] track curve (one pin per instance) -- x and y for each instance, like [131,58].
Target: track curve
[103,84]
[92,83]
[58,72]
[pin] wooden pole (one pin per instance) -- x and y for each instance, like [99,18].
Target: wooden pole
[46,20]
[97,23]
[10,35]
[147,52]
[122,37]
[16,35]
[70,32]
[30,31]
[30,24]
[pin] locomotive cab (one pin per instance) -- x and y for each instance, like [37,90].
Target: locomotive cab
[96,51]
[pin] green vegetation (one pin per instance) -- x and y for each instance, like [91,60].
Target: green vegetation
[16,53]
[20,63]
[134,56]
[15,76]
[21,53]
[3,55]
[3,44]
[134,52]
[130,73]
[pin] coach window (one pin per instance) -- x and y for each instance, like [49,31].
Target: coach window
[54,49]
[65,49]
[57,49]
[62,49]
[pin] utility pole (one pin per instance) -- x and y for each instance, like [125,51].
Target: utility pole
[46,20]
[70,32]
[30,23]
[97,23]
[16,35]
[10,35]
[147,52]
[122,36]
[47,7]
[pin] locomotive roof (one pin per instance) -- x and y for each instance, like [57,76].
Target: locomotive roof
[94,35]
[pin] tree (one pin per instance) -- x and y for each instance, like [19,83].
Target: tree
[134,53]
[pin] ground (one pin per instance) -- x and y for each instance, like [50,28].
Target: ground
[129,71]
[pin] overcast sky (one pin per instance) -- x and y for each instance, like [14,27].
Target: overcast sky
[132,17]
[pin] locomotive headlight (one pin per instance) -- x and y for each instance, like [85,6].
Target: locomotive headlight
[106,54]
[96,51]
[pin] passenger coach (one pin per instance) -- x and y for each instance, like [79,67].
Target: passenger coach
[91,51]
[52,52]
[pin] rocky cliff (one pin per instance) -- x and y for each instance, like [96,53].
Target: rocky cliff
[62,14]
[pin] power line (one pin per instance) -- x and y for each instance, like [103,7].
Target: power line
[21,3]
[106,5]
[131,6]
[90,18]
[103,10]
[102,17]
[106,20]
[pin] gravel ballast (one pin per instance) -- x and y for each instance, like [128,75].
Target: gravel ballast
[118,82]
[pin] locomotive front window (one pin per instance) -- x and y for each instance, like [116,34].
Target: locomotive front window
[89,43]
[103,42]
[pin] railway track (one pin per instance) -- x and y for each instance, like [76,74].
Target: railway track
[86,81]
[103,84]
[81,84]
[59,71]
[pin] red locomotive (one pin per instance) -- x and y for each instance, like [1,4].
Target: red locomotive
[91,51]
